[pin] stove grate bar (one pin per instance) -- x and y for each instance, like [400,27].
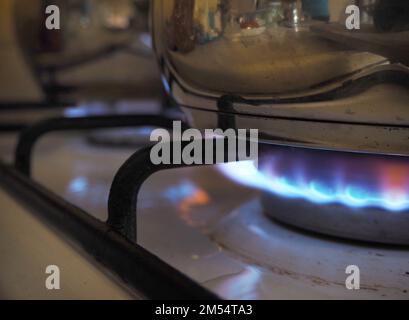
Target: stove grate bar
[123,196]
[31,135]
[143,271]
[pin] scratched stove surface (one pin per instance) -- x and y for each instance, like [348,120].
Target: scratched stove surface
[214,231]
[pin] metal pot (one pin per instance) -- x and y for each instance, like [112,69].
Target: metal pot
[290,68]
[110,37]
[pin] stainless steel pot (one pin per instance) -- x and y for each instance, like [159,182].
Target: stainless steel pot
[87,26]
[290,68]
[98,46]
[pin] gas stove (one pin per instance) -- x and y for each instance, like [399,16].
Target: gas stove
[199,221]
[322,213]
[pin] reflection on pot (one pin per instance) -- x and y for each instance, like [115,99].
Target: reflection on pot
[275,47]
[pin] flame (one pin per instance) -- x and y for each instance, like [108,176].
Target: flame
[187,196]
[325,177]
[199,198]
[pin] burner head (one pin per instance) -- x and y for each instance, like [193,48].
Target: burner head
[363,224]
[356,196]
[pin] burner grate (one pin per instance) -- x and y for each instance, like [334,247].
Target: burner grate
[107,242]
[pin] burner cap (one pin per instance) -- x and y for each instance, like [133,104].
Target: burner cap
[364,224]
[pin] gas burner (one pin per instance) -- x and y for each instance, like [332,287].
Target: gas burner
[290,261]
[355,196]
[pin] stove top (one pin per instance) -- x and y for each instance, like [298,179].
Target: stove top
[201,223]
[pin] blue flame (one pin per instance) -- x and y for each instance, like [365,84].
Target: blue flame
[299,185]
[180,192]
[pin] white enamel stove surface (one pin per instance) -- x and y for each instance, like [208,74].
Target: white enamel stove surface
[199,222]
